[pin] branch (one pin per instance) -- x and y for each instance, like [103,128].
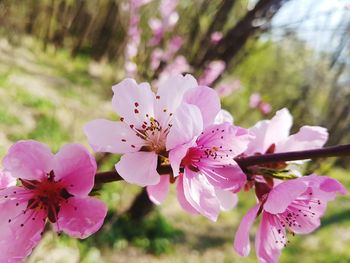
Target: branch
[247,161]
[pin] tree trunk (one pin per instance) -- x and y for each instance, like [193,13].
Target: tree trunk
[140,207]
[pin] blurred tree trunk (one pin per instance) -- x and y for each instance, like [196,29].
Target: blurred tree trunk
[235,39]
[140,207]
[61,20]
[33,14]
[50,12]
[101,43]
[217,24]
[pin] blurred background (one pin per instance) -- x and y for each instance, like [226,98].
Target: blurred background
[59,59]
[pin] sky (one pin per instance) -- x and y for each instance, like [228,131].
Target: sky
[314,21]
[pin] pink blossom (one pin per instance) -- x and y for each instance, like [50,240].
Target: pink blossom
[273,135]
[6,179]
[254,100]
[265,108]
[157,31]
[53,188]
[178,66]
[225,90]
[168,13]
[294,206]
[173,47]
[210,175]
[147,119]
[215,37]
[212,72]
[156,58]
[136,4]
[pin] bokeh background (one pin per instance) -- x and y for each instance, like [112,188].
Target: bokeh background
[59,59]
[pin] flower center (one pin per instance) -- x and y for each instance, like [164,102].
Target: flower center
[48,195]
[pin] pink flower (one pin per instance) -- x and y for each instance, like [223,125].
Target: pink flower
[158,31]
[265,108]
[210,176]
[225,90]
[212,72]
[6,179]
[147,119]
[168,13]
[294,206]
[273,135]
[254,100]
[156,58]
[215,37]
[173,47]
[178,66]
[53,188]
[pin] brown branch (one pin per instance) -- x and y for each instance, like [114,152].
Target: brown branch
[247,161]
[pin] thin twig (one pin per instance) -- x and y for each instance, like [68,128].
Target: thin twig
[247,161]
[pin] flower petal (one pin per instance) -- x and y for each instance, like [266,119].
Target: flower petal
[75,167]
[227,178]
[268,249]
[227,199]
[223,116]
[177,154]
[182,198]
[80,217]
[308,137]
[157,193]
[133,101]
[187,125]
[269,132]
[283,194]
[207,100]
[241,243]
[201,194]
[139,168]
[111,136]
[20,233]
[6,179]
[28,160]
[171,92]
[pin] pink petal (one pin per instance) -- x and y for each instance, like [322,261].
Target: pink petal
[207,100]
[227,178]
[269,132]
[201,195]
[139,168]
[232,139]
[223,116]
[22,234]
[267,249]
[133,101]
[187,125]
[157,193]
[308,137]
[241,243]
[324,183]
[111,136]
[76,168]
[227,199]
[28,160]
[283,194]
[6,179]
[177,154]
[171,94]
[182,198]
[80,217]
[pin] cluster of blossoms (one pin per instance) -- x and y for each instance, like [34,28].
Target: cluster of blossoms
[183,127]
